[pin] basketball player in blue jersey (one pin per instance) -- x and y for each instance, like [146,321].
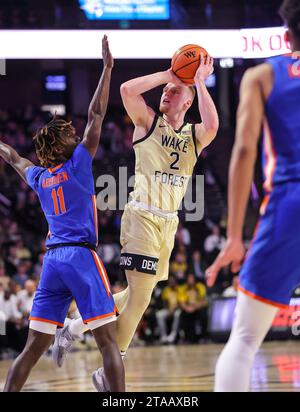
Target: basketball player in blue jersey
[71,267]
[269,95]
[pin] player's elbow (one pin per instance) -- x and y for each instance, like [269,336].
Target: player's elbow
[95,115]
[125,90]
[245,151]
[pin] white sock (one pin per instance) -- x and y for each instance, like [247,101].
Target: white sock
[252,321]
[77,327]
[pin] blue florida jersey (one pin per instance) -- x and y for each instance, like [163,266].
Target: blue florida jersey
[282,123]
[67,197]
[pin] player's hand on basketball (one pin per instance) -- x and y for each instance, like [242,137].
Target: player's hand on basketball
[108,60]
[232,253]
[205,69]
[172,78]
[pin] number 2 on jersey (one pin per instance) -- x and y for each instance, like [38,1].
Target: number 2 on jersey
[58,201]
[176,155]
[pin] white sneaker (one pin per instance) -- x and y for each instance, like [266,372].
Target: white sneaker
[172,337]
[164,339]
[99,381]
[62,345]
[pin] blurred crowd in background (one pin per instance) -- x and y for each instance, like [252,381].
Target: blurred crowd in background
[179,308]
[66,14]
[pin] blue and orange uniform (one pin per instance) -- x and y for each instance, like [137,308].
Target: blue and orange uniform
[71,267]
[272,268]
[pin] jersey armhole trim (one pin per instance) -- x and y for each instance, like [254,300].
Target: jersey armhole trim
[149,132]
[194,139]
[26,171]
[272,92]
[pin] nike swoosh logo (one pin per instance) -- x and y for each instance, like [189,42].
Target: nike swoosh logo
[162,125]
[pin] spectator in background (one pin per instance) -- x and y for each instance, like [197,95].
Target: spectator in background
[179,264]
[11,261]
[37,268]
[2,288]
[197,266]
[25,298]
[170,312]
[4,280]
[13,233]
[16,333]
[32,213]
[213,244]
[193,303]
[21,276]
[183,235]
[9,306]
[23,253]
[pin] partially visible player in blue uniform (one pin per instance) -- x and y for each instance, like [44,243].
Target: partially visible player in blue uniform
[270,95]
[71,267]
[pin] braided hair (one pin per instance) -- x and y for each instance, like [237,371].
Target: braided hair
[290,14]
[50,140]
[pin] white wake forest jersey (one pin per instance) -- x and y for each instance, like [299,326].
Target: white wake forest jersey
[165,159]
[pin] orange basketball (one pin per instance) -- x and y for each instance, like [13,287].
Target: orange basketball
[186,60]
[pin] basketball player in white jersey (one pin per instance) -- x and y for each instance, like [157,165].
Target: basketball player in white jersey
[269,95]
[166,149]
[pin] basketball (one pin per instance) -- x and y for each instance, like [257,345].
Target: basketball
[186,60]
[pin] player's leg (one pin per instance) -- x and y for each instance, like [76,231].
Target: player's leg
[66,336]
[151,250]
[161,317]
[50,306]
[77,327]
[138,295]
[175,326]
[86,278]
[270,273]
[37,343]
[140,288]
[114,373]
[252,322]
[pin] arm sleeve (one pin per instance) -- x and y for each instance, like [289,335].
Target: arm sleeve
[32,176]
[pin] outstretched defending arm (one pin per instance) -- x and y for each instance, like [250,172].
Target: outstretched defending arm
[207,130]
[98,105]
[20,164]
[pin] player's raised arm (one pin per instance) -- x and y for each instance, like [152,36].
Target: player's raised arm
[20,164]
[249,120]
[207,130]
[135,105]
[98,105]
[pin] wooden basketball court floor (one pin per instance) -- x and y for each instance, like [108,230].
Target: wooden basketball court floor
[167,368]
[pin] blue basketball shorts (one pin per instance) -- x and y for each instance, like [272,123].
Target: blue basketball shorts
[69,273]
[271,270]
